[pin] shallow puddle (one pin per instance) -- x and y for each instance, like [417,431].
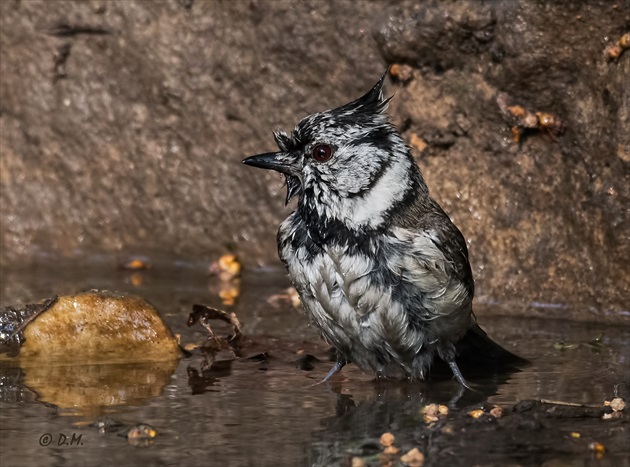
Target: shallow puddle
[264,409]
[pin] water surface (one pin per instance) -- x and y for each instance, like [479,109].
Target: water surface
[265,410]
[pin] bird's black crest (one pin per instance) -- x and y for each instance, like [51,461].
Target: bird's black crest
[367,111]
[371,102]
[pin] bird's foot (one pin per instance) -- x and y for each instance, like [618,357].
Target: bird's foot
[339,364]
[458,374]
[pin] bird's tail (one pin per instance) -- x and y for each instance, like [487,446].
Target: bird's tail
[478,356]
[478,351]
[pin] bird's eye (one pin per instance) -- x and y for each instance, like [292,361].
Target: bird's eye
[322,152]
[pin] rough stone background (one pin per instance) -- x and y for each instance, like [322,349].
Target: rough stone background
[122,127]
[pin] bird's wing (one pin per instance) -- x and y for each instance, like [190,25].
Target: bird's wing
[436,263]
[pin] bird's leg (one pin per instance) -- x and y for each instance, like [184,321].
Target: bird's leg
[339,364]
[447,353]
[458,374]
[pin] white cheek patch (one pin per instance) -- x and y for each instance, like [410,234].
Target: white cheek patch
[390,188]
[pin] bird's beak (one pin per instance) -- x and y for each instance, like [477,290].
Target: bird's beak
[272,160]
[269,160]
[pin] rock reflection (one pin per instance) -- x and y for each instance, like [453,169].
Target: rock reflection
[89,390]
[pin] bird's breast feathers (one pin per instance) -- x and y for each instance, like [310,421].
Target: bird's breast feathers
[397,281]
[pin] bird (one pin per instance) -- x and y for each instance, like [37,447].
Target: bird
[380,268]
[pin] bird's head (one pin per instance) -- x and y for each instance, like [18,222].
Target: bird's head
[348,163]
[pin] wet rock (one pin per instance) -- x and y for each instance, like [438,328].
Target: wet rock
[122,125]
[544,216]
[13,322]
[94,327]
[436,36]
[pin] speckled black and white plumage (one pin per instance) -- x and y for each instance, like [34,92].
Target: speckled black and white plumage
[380,268]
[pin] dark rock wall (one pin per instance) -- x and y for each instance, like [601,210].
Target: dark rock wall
[122,127]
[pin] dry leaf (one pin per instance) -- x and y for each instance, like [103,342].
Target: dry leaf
[141,431]
[597,447]
[417,143]
[227,267]
[387,439]
[430,418]
[413,458]
[431,412]
[229,292]
[612,416]
[136,279]
[141,435]
[391,450]
[203,314]
[496,412]
[401,71]
[136,264]
[476,413]
[430,409]
[617,404]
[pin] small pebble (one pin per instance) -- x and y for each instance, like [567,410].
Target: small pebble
[413,458]
[476,413]
[387,439]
